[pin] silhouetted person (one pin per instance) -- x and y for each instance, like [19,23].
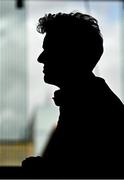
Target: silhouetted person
[88,139]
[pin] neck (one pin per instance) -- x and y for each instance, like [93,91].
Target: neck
[73,82]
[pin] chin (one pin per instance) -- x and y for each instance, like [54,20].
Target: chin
[50,80]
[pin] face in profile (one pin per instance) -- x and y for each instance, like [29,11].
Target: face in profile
[51,57]
[64,60]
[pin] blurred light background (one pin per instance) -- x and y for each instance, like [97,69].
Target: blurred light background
[27,112]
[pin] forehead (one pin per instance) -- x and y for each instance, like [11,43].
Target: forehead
[57,41]
[45,42]
[49,40]
[52,40]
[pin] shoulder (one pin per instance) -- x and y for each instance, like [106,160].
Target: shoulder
[107,93]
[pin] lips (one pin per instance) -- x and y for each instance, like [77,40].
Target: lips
[44,70]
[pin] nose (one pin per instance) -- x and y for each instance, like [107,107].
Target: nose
[41,58]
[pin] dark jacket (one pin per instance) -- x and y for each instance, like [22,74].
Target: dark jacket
[88,139]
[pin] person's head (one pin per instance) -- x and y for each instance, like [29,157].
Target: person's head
[72,46]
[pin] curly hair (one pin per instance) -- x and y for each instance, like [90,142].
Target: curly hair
[47,20]
[83,28]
